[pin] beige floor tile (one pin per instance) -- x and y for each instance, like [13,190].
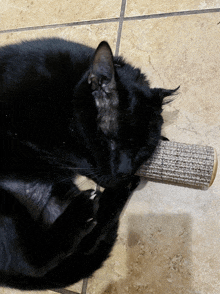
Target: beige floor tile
[89,35]
[154,256]
[179,51]
[142,7]
[114,271]
[77,287]
[25,13]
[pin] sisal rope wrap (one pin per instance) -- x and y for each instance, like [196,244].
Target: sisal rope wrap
[187,165]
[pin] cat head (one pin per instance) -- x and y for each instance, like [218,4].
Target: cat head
[118,118]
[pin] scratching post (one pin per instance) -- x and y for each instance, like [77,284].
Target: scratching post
[181,164]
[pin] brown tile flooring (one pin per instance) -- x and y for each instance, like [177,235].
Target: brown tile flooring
[167,244]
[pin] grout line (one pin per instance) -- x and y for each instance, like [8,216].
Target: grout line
[123,5]
[64,291]
[170,14]
[120,20]
[55,26]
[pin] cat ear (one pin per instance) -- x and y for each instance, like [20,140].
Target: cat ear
[102,72]
[163,93]
[102,79]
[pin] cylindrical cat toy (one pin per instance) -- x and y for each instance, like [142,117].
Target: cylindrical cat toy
[181,164]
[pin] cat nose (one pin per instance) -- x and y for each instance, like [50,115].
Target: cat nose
[125,166]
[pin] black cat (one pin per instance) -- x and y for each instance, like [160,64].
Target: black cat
[67,109]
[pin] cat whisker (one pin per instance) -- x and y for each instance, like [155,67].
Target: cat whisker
[73,168]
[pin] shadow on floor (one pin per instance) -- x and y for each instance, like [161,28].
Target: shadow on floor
[158,256]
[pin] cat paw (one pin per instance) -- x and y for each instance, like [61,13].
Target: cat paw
[90,206]
[93,195]
[94,198]
[90,225]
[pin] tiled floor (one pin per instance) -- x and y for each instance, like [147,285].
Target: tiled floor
[169,239]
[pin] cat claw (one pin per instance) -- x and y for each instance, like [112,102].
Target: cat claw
[89,220]
[93,195]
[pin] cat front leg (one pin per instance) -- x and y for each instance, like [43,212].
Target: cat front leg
[113,200]
[111,204]
[77,220]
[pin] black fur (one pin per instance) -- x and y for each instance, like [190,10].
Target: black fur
[67,109]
